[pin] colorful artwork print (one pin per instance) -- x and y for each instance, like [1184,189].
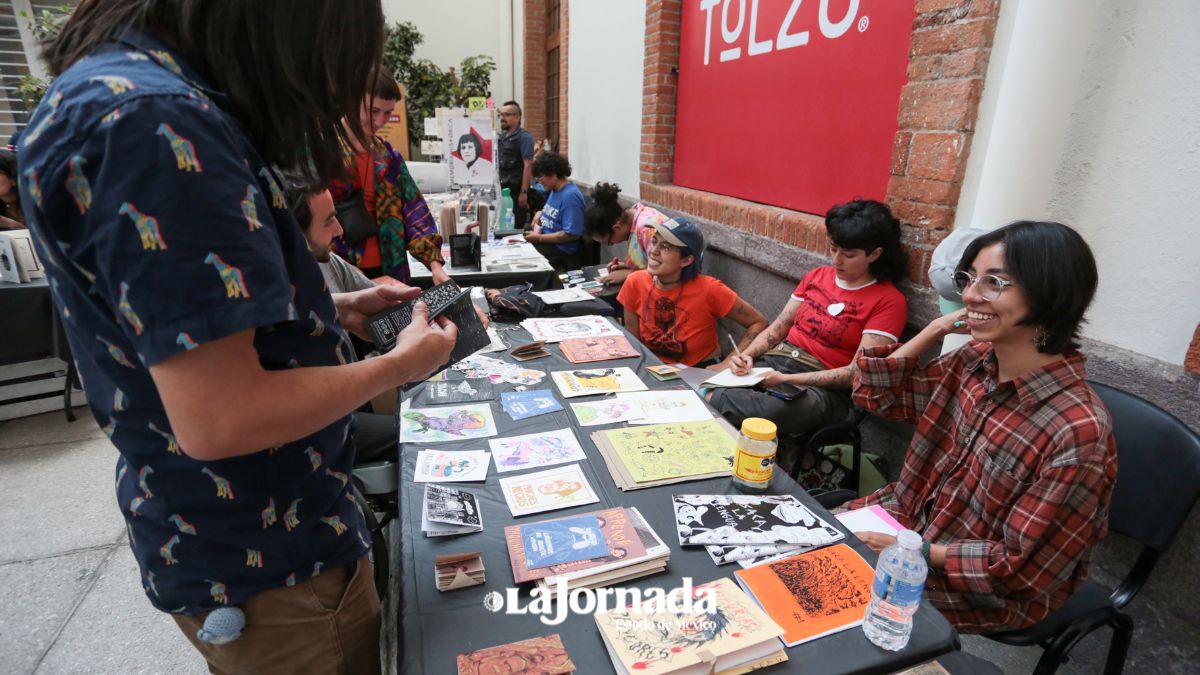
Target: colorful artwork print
[555,330]
[563,541]
[547,490]
[596,381]
[535,450]
[606,411]
[603,348]
[748,519]
[524,404]
[469,146]
[438,466]
[663,451]
[451,423]
[536,656]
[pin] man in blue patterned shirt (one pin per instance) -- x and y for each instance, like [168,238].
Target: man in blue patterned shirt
[211,352]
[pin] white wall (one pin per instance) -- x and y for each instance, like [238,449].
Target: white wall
[456,29]
[604,120]
[1089,117]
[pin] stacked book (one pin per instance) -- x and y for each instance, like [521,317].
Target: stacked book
[734,636]
[750,529]
[620,548]
[660,454]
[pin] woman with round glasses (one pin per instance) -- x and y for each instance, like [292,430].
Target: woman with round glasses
[673,309]
[834,311]
[1009,474]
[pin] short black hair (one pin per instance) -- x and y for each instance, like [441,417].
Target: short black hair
[551,164]
[1055,269]
[386,88]
[8,164]
[599,218]
[473,140]
[299,194]
[516,105]
[868,224]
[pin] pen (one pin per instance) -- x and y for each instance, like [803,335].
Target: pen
[732,342]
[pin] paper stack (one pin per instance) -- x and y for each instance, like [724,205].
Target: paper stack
[660,454]
[459,570]
[750,529]
[735,636]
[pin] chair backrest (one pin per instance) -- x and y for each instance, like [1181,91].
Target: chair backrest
[1158,472]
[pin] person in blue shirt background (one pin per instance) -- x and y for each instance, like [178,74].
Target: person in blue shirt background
[558,227]
[211,351]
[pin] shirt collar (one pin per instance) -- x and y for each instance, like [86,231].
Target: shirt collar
[160,53]
[1033,387]
[514,132]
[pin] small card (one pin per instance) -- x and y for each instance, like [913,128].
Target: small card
[526,352]
[564,295]
[606,411]
[664,372]
[562,541]
[573,383]
[548,490]
[536,656]
[533,451]
[446,511]
[459,570]
[524,404]
[457,391]
[446,466]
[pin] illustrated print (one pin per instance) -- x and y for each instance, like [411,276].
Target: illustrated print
[118,401]
[142,476]
[126,310]
[820,586]
[597,379]
[184,526]
[318,325]
[291,518]
[116,353]
[77,184]
[665,316]
[167,61]
[455,424]
[314,457]
[235,284]
[40,129]
[147,227]
[110,428]
[447,466]
[116,84]
[337,475]
[821,322]
[135,504]
[224,489]
[121,474]
[268,514]
[182,148]
[277,199]
[336,523]
[669,638]
[218,592]
[250,209]
[111,117]
[184,340]
[172,444]
[166,552]
[35,189]
[254,558]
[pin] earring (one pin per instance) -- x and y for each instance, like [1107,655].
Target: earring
[1040,341]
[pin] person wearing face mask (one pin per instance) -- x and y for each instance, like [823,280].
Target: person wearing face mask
[1010,472]
[396,220]
[835,311]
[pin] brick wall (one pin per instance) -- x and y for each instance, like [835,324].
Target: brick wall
[1191,362]
[948,57]
[533,107]
[564,53]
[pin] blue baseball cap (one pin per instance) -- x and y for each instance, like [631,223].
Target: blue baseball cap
[683,232]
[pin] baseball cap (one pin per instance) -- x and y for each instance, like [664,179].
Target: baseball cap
[682,232]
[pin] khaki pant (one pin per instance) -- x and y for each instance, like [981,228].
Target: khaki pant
[328,624]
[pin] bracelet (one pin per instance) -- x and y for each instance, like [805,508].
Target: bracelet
[925,546]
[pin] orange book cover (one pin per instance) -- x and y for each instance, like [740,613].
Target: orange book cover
[604,348]
[813,594]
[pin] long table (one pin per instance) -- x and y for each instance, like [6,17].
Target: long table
[498,271]
[435,627]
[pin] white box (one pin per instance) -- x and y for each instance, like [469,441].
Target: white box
[18,246]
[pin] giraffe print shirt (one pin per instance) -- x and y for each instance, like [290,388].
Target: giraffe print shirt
[161,229]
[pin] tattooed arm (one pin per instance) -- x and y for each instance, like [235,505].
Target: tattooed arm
[773,335]
[835,378]
[752,320]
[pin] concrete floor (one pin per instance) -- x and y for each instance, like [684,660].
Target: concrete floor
[71,600]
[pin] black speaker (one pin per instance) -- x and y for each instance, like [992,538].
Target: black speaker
[465,251]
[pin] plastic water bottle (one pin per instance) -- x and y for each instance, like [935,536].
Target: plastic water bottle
[506,205]
[899,581]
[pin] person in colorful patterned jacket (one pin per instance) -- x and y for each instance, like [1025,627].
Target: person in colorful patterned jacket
[402,218]
[606,223]
[1009,475]
[211,352]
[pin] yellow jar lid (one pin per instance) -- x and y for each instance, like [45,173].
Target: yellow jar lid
[759,429]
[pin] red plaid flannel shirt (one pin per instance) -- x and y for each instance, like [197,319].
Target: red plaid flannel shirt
[1014,478]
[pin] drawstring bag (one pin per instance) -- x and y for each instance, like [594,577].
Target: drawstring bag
[517,302]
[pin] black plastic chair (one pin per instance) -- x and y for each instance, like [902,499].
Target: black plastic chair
[844,431]
[1158,481]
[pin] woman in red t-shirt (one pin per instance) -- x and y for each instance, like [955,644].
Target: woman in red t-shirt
[834,312]
[673,309]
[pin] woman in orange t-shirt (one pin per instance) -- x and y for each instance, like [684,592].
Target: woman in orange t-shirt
[673,309]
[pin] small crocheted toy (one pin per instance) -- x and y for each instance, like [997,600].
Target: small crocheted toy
[223,625]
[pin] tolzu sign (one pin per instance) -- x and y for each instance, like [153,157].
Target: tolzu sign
[790,102]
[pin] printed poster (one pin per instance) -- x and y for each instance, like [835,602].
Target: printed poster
[558,488]
[606,411]
[536,450]
[443,466]
[470,148]
[587,382]
[525,404]
[663,451]
[449,423]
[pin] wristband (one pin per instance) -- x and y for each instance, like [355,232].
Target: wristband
[925,552]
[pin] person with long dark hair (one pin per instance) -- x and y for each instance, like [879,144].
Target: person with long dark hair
[210,351]
[11,216]
[835,311]
[1010,472]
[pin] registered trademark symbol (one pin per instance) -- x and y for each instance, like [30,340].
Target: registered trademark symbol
[863,23]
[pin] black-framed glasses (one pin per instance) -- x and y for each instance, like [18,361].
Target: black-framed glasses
[990,285]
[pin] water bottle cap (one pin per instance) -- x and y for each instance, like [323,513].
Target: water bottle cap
[909,539]
[758,428]
[505,192]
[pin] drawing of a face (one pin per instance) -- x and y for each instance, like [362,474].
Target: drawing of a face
[467,151]
[562,488]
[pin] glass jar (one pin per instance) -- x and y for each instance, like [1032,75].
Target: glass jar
[754,459]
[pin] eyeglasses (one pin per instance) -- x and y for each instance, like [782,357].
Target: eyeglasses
[990,285]
[661,246]
[509,114]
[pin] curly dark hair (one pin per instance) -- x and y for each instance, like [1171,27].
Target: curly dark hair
[551,164]
[605,211]
[868,224]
